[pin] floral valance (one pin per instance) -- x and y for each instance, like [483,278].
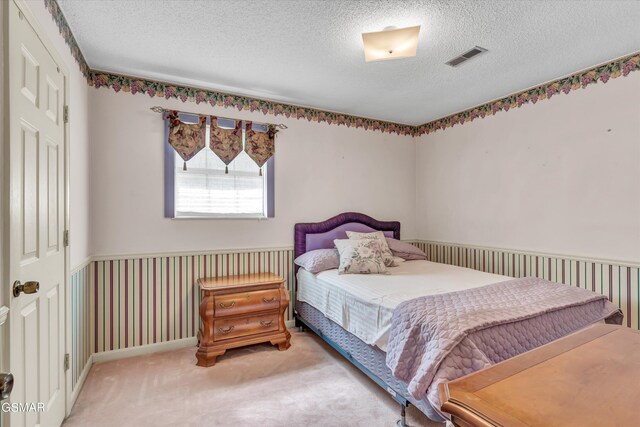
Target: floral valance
[259,144]
[226,143]
[226,140]
[187,139]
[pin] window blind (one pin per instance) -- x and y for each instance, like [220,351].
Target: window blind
[205,190]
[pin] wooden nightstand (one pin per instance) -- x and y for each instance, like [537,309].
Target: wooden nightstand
[241,310]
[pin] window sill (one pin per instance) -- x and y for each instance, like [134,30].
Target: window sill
[223,217]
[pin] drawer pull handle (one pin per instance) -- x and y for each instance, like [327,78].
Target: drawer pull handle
[273,299]
[227,306]
[266,324]
[225,331]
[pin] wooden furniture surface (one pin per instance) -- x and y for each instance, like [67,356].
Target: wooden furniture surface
[589,378]
[241,310]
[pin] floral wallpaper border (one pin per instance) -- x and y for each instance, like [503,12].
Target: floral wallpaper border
[96,78]
[65,31]
[153,88]
[601,73]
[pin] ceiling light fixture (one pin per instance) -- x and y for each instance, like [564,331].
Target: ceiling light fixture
[391,43]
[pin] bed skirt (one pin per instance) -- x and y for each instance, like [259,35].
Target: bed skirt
[369,356]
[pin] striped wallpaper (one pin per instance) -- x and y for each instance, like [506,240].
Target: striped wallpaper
[140,301]
[81,348]
[129,302]
[619,282]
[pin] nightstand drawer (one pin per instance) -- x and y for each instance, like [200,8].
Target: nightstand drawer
[233,327]
[246,302]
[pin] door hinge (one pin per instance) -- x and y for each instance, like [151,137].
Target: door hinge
[65,114]
[66,362]
[66,238]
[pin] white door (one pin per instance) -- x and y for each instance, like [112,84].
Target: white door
[36,220]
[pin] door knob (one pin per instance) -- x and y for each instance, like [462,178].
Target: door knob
[6,385]
[27,288]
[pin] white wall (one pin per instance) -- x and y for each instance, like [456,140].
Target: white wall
[321,170]
[561,176]
[79,139]
[548,177]
[3,171]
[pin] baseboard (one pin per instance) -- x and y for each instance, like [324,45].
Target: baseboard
[83,377]
[124,353]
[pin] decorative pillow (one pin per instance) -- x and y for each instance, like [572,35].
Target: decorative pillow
[387,256]
[405,250]
[362,256]
[319,260]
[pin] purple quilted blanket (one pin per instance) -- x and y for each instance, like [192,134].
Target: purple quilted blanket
[442,337]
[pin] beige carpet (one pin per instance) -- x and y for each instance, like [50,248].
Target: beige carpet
[308,385]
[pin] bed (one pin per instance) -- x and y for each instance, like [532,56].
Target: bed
[354,313]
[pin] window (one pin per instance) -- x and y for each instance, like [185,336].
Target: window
[204,190]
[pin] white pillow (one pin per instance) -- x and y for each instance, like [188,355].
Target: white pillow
[362,256]
[387,256]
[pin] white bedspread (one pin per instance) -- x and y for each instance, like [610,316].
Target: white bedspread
[363,303]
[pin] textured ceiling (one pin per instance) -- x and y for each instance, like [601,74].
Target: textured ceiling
[310,52]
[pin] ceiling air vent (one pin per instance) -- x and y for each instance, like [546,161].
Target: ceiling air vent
[466,56]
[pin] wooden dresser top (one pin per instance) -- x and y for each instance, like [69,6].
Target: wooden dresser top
[238,281]
[590,378]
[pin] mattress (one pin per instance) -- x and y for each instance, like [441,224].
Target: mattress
[363,304]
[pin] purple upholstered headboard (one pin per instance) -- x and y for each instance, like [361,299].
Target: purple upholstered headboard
[320,235]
